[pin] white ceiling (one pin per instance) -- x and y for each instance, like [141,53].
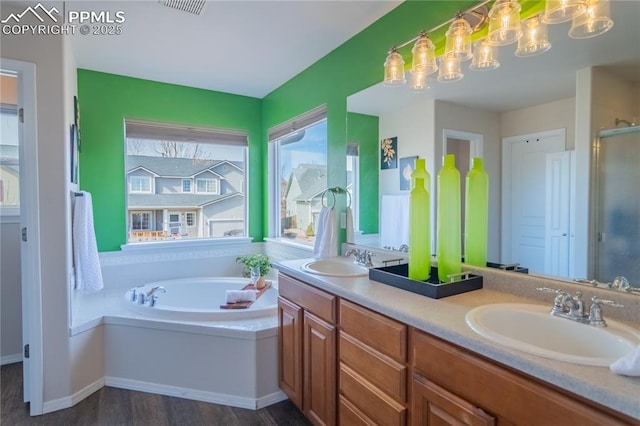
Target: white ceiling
[243,47]
[523,82]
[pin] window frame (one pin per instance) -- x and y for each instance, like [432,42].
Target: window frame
[276,134]
[11,213]
[155,132]
[216,184]
[141,212]
[140,178]
[189,182]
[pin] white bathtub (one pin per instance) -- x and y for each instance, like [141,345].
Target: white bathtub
[199,299]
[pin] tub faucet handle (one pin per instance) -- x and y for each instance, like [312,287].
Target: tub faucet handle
[141,299]
[134,295]
[152,300]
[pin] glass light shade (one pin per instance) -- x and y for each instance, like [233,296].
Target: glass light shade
[504,23]
[485,57]
[424,55]
[394,69]
[556,11]
[458,40]
[419,80]
[450,70]
[535,38]
[594,21]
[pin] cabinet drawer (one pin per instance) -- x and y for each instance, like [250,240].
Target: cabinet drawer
[374,403]
[382,371]
[501,391]
[322,304]
[379,332]
[433,405]
[349,415]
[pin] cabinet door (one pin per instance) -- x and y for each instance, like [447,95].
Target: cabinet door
[319,365]
[290,350]
[432,405]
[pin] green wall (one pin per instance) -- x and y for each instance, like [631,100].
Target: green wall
[354,66]
[363,130]
[107,99]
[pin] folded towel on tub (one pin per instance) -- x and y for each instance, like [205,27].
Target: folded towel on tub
[235,296]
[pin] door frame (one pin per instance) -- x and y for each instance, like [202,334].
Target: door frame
[30,251]
[476,142]
[507,147]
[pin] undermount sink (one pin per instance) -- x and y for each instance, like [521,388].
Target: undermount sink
[335,268]
[531,329]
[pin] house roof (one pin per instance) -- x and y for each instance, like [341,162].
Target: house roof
[168,201]
[311,178]
[176,167]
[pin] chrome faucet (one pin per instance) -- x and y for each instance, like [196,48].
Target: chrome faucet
[150,297]
[572,307]
[362,257]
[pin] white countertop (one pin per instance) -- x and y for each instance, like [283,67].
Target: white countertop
[445,318]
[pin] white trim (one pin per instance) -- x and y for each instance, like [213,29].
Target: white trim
[140,178]
[190,180]
[216,190]
[70,401]
[476,142]
[191,243]
[197,395]
[31,268]
[9,218]
[11,359]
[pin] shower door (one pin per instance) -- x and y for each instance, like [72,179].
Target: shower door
[618,199]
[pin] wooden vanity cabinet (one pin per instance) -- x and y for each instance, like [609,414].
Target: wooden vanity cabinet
[451,385]
[372,369]
[307,349]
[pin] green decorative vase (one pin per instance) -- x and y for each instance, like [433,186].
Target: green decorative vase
[476,215]
[449,239]
[420,171]
[419,231]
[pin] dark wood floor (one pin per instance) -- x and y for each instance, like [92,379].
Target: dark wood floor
[112,406]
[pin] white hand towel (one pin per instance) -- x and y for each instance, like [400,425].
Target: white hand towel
[235,296]
[350,238]
[327,234]
[628,365]
[85,250]
[394,220]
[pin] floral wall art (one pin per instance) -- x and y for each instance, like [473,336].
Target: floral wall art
[389,153]
[407,166]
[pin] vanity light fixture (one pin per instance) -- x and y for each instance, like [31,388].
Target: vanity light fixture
[419,80]
[556,11]
[450,69]
[504,23]
[485,57]
[424,55]
[535,37]
[394,69]
[458,40]
[594,21]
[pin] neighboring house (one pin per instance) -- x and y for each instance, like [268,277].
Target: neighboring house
[9,176]
[184,198]
[303,194]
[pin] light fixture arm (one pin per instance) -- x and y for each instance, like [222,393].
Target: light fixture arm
[459,14]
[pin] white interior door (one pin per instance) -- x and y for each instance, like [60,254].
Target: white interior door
[524,197]
[557,216]
[30,248]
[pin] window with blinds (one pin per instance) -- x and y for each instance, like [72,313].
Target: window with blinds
[184,182]
[298,158]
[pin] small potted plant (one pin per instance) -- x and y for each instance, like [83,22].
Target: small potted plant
[256,266]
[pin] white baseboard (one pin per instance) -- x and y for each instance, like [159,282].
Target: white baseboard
[70,401]
[11,359]
[268,400]
[197,395]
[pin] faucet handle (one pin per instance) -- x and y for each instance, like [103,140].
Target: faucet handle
[607,302]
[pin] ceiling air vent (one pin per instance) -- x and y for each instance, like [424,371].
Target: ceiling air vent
[189,6]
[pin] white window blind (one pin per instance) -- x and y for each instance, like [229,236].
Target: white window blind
[138,129]
[298,123]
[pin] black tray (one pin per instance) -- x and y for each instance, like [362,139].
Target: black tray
[397,276]
[512,268]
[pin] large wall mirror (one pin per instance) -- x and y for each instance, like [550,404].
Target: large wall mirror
[536,122]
